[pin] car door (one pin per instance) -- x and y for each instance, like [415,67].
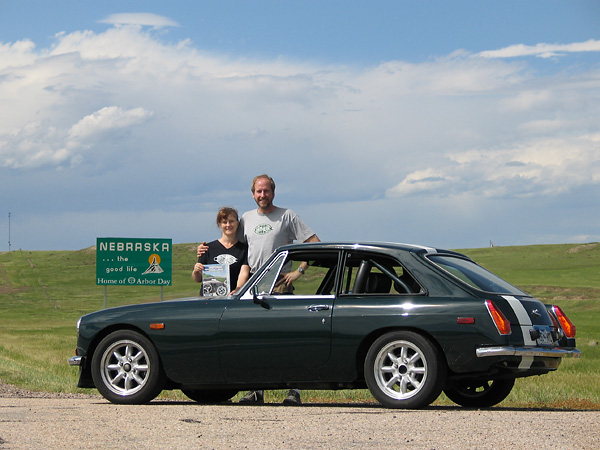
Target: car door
[285,337]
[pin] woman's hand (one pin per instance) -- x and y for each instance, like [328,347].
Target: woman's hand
[197,272]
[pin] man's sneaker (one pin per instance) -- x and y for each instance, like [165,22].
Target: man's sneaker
[293,397]
[255,397]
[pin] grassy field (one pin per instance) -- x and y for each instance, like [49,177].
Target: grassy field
[42,294]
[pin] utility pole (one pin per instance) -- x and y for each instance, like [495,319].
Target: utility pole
[9,232]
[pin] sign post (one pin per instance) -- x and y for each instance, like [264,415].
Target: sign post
[134,262]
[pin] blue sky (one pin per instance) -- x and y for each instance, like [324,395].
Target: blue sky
[443,123]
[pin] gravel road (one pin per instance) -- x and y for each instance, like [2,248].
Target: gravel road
[58,421]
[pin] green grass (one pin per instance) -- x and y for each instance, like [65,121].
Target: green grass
[43,293]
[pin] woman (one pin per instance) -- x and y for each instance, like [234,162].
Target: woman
[226,250]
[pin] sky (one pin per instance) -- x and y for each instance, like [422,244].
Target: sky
[452,124]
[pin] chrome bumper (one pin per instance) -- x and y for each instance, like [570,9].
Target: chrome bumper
[548,352]
[75,360]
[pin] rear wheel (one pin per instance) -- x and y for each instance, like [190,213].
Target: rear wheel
[480,394]
[126,368]
[404,370]
[209,396]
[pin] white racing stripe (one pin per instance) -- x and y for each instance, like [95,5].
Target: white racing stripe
[525,324]
[519,310]
[526,362]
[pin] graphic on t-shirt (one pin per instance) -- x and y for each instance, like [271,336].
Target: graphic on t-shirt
[263,228]
[225,259]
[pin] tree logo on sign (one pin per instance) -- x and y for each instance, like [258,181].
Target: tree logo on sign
[154,261]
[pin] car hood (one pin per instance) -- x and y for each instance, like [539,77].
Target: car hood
[156,311]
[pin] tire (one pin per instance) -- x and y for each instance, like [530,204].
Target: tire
[209,396]
[481,394]
[206,290]
[126,368]
[404,370]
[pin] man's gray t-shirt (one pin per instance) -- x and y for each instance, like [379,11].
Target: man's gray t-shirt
[265,232]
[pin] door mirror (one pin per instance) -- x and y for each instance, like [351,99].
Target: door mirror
[259,299]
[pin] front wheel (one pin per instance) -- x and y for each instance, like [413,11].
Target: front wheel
[404,370]
[481,394]
[126,368]
[209,396]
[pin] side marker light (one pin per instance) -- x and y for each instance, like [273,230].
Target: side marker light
[465,320]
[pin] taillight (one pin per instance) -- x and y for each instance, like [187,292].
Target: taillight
[567,326]
[501,322]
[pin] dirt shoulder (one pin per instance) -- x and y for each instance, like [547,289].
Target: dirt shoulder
[31,420]
[11,391]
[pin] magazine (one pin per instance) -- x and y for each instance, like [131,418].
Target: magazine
[215,280]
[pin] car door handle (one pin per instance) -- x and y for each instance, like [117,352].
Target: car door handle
[318,307]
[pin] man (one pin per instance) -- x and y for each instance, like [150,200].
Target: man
[269,227]
[265,229]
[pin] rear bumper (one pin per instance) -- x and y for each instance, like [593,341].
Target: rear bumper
[547,352]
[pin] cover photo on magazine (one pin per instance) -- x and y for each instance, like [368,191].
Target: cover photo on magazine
[215,280]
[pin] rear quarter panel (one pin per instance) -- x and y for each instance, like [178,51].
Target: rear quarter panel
[359,320]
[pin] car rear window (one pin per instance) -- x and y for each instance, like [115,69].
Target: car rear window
[474,275]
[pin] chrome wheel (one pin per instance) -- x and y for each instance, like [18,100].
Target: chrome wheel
[125,367]
[400,369]
[404,370]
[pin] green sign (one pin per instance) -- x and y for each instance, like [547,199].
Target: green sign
[134,262]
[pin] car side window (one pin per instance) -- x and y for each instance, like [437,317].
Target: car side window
[267,282]
[318,279]
[366,273]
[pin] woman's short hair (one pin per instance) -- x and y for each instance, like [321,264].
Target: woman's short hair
[225,212]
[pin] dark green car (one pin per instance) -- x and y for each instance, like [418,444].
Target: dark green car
[406,322]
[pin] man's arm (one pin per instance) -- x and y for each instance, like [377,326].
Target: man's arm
[295,274]
[202,249]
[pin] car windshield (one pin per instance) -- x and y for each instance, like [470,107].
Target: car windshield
[474,275]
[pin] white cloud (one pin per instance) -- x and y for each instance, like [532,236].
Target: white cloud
[37,145]
[107,120]
[122,121]
[16,54]
[544,167]
[33,145]
[542,50]
[147,19]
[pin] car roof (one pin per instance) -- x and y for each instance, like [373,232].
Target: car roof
[355,245]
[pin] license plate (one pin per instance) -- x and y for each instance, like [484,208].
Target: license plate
[545,337]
